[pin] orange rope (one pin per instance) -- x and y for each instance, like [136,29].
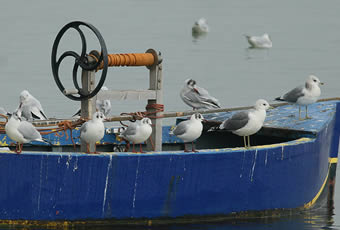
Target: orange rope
[3,123]
[132,59]
[64,126]
[140,115]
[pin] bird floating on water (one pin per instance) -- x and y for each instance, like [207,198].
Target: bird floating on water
[29,107]
[246,123]
[304,95]
[21,131]
[263,41]
[197,97]
[93,130]
[200,27]
[137,132]
[189,130]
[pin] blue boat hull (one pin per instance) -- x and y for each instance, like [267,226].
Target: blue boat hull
[147,188]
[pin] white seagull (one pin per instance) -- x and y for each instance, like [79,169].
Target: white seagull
[260,41]
[93,130]
[137,132]
[21,131]
[246,123]
[304,95]
[29,107]
[189,130]
[103,106]
[200,27]
[197,97]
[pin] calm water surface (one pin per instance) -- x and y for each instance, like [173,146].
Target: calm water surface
[305,36]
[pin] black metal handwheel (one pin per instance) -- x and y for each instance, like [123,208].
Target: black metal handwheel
[80,60]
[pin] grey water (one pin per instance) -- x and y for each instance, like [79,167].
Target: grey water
[305,37]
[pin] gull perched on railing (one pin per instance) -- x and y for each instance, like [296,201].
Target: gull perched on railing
[29,107]
[263,41]
[197,97]
[246,123]
[304,95]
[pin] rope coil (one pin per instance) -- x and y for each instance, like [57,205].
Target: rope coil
[131,59]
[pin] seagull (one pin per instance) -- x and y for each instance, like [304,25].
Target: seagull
[260,41]
[200,27]
[21,131]
[93,130]
[103,106]
[246,123]
[29,107]
[304,95]
[197,97]
[138,132]
[189,130]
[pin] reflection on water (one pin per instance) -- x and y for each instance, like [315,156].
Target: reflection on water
[319,218]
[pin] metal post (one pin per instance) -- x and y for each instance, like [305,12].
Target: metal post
[156,83]
[88,105]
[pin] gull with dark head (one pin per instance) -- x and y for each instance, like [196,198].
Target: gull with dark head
[263,41]
[304,95]
[197,97]
[189,130]
[21,131]
[93,130]
[138,132]
[246,123]
[29,107]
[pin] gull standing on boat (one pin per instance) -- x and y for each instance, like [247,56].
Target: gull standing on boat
[29,107]
[263,41]
[200,27]
[304,95]
[197,97]
[93,130]
[21,131]
[246,123]
[103,106]
[138,132]
[189,130]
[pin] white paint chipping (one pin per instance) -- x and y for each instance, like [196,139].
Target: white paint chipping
[253,169]
[39,195]
[75,167]
[135,189]
[244,153]
[265,161]
[282,150]
[68,161]
[106,182]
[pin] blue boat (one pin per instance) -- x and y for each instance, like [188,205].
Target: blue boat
[290,168]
